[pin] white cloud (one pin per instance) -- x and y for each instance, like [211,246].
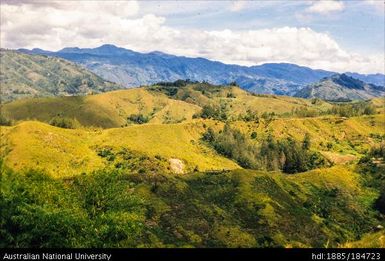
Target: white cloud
[325,6]
[91,24]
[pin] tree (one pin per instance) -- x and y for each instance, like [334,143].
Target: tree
[209,135]
[138,118]
[63,122]
[4,121]
[306,142]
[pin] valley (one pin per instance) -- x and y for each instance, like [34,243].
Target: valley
[185,163]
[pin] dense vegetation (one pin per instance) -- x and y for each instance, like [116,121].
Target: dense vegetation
[372,167]
[287,155]
[63,122]
[117,208]
[138,118]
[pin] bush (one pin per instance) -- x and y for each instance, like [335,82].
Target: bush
[213,112]
[61,122]
[138,118]
[379,204]
[353,109]
[96,210]
[4,121]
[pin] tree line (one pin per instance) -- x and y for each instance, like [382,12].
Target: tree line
[287,155]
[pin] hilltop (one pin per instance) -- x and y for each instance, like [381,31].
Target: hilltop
[24,75]
[341,87]
[130,68]
[158,104]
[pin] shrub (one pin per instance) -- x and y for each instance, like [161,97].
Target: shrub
[214,112]
[138,118]
[4,121]
[62,122]
[352,109]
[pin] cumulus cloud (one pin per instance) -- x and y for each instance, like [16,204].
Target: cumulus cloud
[90,24]
[325,6]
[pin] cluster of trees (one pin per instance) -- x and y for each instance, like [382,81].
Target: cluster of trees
[372,167]
[63,122]
[287,155]
[250,115]
[215,112]
[138,118]
[352,109]
[4,121]
[95,210]
[378,151]
[177,83]
[305,112]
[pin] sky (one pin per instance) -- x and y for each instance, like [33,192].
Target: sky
[332,35]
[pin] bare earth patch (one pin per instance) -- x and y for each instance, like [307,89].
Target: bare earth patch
[176,165]
[337,158]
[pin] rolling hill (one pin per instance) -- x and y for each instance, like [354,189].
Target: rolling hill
[24,75]
[341,87]
[158,104]
[67,152]
[120,181]
[187,164]
[130,68]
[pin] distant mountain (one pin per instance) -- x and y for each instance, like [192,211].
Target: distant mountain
[131,69]
[341,87]
[377,79]
[23,75]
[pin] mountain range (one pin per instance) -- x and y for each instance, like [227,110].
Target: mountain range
[24,75]
[341,87]
[131,69]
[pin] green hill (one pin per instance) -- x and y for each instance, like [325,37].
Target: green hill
[63,152]
[107,110]
[67,152]
[186,166]
[241,208]
[156,105]
[24,75]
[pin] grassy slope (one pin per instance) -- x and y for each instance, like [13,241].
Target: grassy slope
[34,144]
[109,110]
[239,208]
[238,101]
[244,208]
[106,110]
[24,75]
[370,240]
[345,136]
[64,152]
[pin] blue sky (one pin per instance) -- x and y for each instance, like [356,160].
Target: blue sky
[332,34]
[358,27]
